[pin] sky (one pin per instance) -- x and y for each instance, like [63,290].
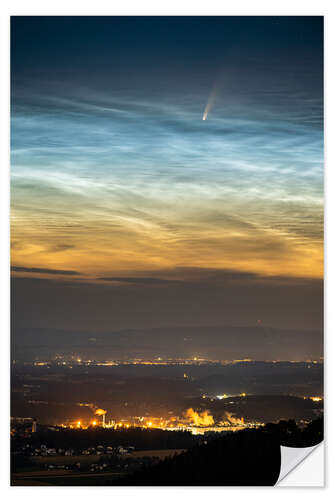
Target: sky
[128,209]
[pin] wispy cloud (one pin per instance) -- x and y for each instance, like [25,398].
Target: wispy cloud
[139,280]
[43,270]
[244,188]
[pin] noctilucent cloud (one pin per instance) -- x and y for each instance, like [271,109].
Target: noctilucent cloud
[116,177]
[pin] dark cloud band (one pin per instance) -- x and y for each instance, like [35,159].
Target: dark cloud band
[44,270]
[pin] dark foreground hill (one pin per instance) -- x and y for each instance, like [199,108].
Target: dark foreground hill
[246,458]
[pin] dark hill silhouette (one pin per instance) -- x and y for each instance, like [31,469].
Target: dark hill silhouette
[246,458]
[213,342]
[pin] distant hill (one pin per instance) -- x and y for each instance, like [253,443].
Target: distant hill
[213,342]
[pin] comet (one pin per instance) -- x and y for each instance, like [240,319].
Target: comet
[210,102]
[219,83]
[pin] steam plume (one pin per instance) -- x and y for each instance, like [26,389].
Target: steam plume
[203,418]
[99,411]
[230,419]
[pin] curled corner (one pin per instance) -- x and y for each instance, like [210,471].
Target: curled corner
[291,457]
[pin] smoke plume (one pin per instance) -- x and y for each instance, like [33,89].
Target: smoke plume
[229,419]
[203,418]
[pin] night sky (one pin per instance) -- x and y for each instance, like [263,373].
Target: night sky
[128,209]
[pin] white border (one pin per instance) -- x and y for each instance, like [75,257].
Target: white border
[309,472]
[171,7]
[141,7]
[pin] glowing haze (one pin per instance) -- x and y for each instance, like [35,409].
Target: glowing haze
[119,181]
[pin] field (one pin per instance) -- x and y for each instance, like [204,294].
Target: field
[90,459]
[64,460]
[156,453]
[60,477]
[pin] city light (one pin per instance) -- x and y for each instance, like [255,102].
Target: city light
[192,421]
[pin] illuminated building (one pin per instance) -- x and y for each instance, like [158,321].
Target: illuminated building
[34,425]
